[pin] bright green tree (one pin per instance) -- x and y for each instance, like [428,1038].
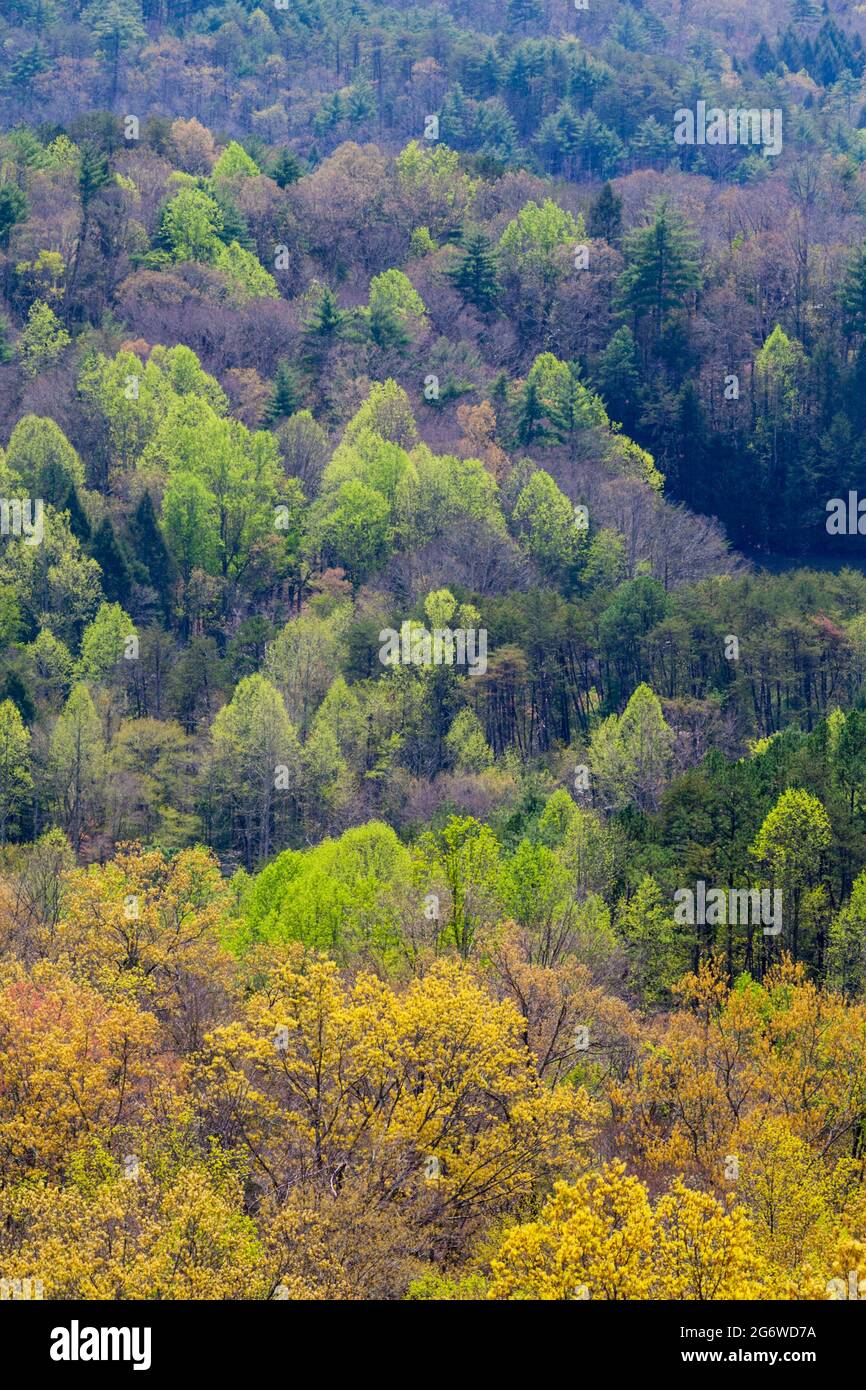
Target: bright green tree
[656,948]
[846,954]
[255,766]
[791,849]
[353,529]
[466,744]
[234,162]
[191,223]
[630,756]
[43,460]
[190,522]
[77,765]
[16,780]
[544,520]
[43,340]
[536,232]
[108,640]
[247,276]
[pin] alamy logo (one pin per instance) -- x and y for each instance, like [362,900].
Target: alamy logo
[847,518]
[714,907]
[21,1290]
[23,516]
[76,1343]
[738,126]
[855,1288]
[413,645]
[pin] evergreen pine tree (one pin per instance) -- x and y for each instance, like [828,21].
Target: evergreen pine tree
[161,239]
[93,175]
[455,118]
[662,265]
[855,390]
[149,551]
[489,75]
[687,471]
[617,377]
[325,325]
[805,12]
[790,50]
[13,209]
[78,522]
[14,689]
[499,397]
[286,168]
[386,330]
[116,580]
[530,413]
[605,217]
[763,59]
[853,293]
[234,226]
[286,393]
[521,13]
[474,275]
[827,63]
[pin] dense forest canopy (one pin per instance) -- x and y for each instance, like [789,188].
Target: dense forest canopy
[433,649]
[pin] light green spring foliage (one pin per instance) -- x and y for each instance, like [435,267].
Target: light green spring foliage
[42,461]
[370,459]
[342,896]
[433,188]
[133,398]
[365,892]
[106,642]
[545,521]
[846,966]
[631,755]
[16,779]
[301,661]
[43,340]
[393,292]
[77,754]
[626,457]
[239,485]
[56,585]
[353,529]
[251,736]
[234,162]
[60,156]
[52,664]
[570,406]
[535,233]
[385,411]
[190,523]
[779,367]
[246,274]
[192,223]
[656,951]
[467,745]
[379,493]
[573,413]
[793,839]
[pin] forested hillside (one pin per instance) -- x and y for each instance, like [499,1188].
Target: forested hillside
[433,649]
